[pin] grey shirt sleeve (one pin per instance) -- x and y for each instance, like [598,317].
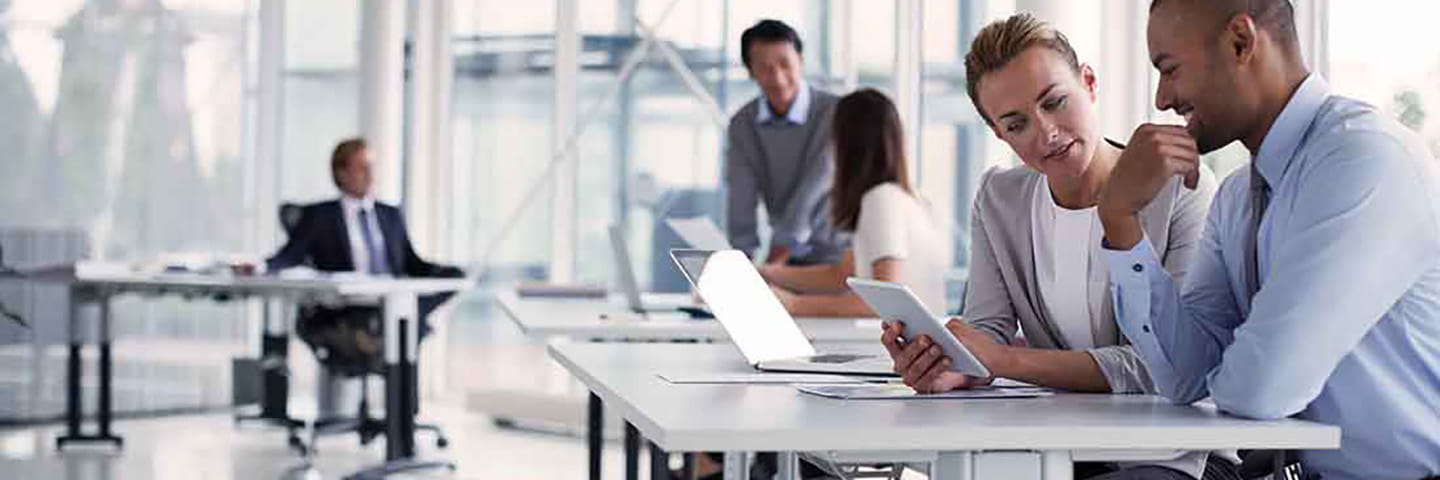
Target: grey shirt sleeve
[988,306]
[741,188]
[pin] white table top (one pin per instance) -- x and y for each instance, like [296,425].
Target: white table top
[738,417]
[609,319]
[340,285]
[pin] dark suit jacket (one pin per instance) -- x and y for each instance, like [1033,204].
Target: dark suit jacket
[321,240]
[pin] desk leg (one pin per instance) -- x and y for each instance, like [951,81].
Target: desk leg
[73,372]
[632,452]
[1049,465]
[953,466]
[1057,465]
[74,407]
[595,431]
[659,463]
[103,409]
[787,466]
[399,415]
[401,314]
[737,465]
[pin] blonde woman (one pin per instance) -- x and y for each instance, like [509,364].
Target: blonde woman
[1036,263]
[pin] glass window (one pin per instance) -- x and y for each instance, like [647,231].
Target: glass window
[955,144]
[126,121]
[321,92]
[1375,56]
[502,110]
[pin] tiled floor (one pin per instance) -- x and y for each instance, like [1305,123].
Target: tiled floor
[210,447]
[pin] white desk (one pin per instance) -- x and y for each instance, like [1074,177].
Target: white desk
[1012,438]
[397,298]
[610,320]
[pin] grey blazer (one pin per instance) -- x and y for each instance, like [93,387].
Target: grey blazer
[1003,292]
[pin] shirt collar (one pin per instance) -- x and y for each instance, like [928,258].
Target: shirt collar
[1289,129]
[353,204]
[798,110]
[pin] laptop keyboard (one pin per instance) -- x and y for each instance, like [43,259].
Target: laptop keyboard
[835,358]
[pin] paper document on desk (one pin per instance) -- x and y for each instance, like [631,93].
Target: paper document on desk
[700,233]
[758,377]
[902,392]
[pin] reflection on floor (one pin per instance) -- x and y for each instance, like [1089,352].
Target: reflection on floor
[475,349]
[210,447]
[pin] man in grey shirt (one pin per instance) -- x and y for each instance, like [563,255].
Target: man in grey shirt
[776,154]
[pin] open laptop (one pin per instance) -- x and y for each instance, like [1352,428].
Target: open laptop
[700,233]
[757,323]
[635,299]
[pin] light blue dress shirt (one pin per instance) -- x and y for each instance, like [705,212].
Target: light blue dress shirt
[1345,327]
[795,116]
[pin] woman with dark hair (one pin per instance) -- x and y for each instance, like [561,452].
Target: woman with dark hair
[896,238]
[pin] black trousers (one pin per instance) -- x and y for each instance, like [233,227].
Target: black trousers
[332,333]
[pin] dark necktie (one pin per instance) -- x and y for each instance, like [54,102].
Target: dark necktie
[1259,199]
[378,264]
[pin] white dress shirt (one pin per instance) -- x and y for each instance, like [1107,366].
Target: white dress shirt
[358,253]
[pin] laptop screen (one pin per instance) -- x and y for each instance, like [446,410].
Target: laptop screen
[744,304]
[628,284]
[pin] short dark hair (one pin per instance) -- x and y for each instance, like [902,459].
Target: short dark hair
[340,157]
[768,30]
[869,146]
[1274,16]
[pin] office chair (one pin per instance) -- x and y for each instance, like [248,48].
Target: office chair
[363,424]
[274,368]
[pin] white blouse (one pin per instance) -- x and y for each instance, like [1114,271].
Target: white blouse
[895,224]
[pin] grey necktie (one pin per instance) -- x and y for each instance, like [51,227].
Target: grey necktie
[1259,199]
[378,264]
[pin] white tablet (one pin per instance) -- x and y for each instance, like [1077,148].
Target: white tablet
[892,302]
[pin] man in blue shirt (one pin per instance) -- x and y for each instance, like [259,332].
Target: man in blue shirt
[1315,292]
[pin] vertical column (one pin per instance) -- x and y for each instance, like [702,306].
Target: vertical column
[844,24]
[428,166]
[443,133]
[419,116]
[625,11]
[909,26]
[269,130]
[382,79]
[566,180]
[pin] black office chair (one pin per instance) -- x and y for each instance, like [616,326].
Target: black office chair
[274,364]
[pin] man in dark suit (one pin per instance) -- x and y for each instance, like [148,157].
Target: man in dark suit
[354,233]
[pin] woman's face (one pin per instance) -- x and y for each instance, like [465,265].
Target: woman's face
[1046,112]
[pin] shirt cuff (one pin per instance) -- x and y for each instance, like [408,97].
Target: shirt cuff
[1132,266]
[1133,275]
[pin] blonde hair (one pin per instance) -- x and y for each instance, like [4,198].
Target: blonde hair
[1003,40]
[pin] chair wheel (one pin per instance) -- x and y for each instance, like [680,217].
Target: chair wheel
[442,442]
